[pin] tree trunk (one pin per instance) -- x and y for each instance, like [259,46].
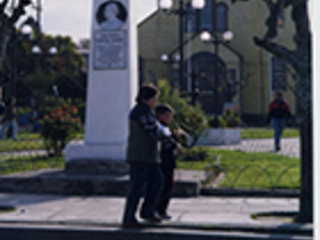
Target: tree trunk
[306,147]
[300,60]
[4,39]
[306,195]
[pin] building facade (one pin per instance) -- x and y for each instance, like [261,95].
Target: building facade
[237,71]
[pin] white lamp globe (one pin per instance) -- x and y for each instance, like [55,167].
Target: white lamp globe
[164,58]
[26,29]
[205,36]
[198,4]
[53,50]
[165,4]
[228,36]
[36,49]
[177,57]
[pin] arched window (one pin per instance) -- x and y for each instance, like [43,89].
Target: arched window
[278,74]
[221,17]
[206,16]
[281,15]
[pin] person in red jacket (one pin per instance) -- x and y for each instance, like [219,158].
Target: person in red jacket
[278,113]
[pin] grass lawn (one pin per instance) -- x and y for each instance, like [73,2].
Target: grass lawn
[26,142]
[21,145]
[256,133]
[251,170]
[30,163]
[241,169]
[33,141]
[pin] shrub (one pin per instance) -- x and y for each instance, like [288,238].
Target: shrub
[58,127]
[217,122]
[232,118]
[190,118]
[196,154]
[229,119]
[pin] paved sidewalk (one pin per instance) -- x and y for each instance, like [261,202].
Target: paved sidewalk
[32,208]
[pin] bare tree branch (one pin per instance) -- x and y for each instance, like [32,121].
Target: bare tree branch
[3,5]
[19,11]
[300,18]
[7,23]
[279,51]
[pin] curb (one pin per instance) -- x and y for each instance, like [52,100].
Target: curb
[263,193]
[31,232]
[289,229]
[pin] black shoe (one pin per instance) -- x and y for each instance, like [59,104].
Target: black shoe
[135,225]
[152,218]
[278,148]
[165,216]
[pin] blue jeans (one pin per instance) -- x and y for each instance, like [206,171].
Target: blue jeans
[278,125]
[6,125]
[150,177]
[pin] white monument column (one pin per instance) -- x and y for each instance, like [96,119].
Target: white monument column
[112,87]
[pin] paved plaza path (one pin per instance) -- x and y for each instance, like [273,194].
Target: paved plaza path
[289,146]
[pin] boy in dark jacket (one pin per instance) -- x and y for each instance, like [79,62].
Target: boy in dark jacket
[168,160]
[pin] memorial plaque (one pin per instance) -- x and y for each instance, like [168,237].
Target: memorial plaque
[110,50]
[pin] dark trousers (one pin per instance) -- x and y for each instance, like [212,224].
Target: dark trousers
[278,125]
[166,193]
[146,177]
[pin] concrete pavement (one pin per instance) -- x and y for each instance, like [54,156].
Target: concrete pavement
[99,217]
[108,210]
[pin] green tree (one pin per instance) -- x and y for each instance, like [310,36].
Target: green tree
[38,73]
[300,60]
[84,43]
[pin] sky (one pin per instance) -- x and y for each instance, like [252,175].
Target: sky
[64,17]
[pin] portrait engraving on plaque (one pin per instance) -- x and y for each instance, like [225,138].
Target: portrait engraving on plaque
[111,15]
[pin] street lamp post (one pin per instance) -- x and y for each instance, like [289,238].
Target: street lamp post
[33,26]
[181,11]
[172,61]
[214,38]
[12,53]
[194,89]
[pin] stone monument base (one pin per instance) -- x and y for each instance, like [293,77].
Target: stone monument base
[88,167]
[53,181]
[95,159]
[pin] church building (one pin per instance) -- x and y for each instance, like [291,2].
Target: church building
[222,66]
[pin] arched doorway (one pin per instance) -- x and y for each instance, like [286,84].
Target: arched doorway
[211,91]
